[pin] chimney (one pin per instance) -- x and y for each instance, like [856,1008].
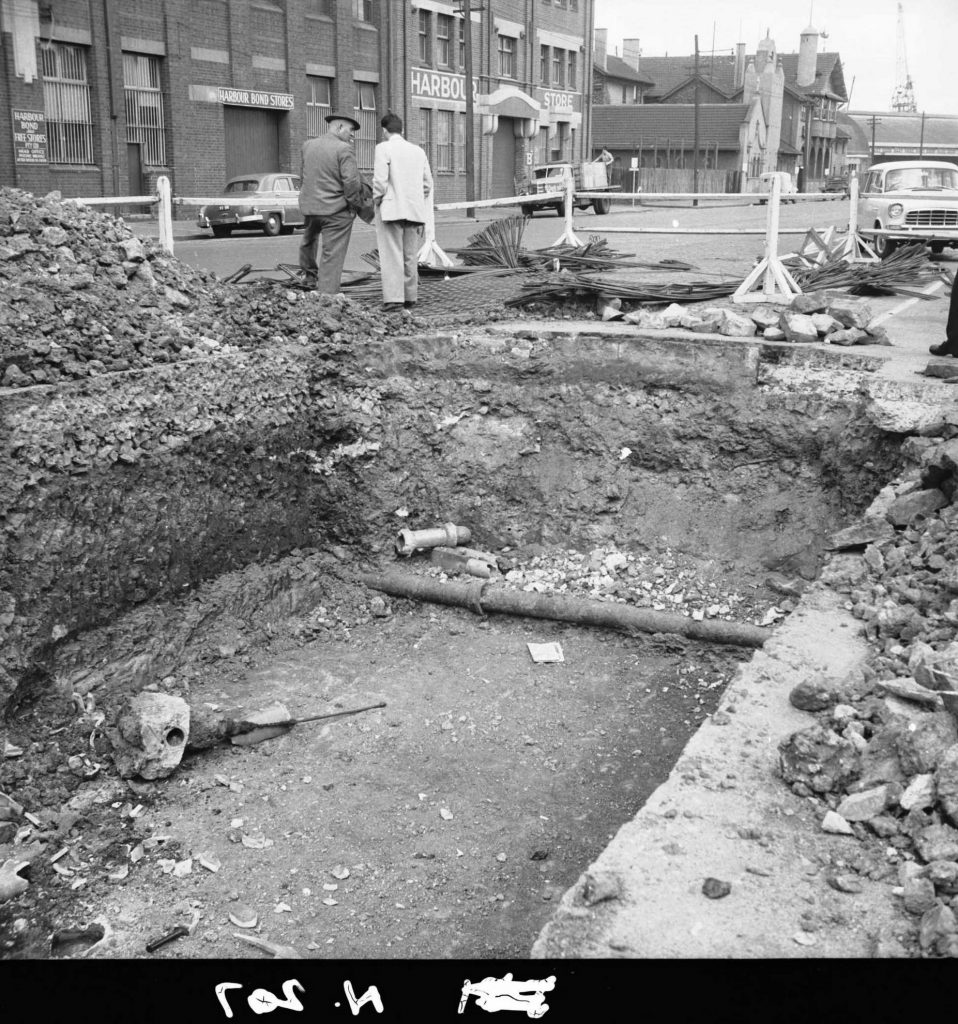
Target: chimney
[739,65]
[600,43]
[807,57]
[631,51]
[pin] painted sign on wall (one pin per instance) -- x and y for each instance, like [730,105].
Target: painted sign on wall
[253,98]
[29,136]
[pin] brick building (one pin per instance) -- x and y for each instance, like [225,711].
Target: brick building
[100,97]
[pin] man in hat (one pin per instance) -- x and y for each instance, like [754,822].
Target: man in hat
[332,194]
[402,184]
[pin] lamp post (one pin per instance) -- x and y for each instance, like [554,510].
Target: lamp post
[470,113]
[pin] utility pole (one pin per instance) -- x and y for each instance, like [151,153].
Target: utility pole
[470,113]
[875,121]
[695,126]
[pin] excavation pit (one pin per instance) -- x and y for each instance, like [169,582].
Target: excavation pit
[202,528]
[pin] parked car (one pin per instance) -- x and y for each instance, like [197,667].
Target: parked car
[837,183]
[915,199]
[273,205]
[788,186]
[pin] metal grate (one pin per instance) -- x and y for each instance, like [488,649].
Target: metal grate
[444,144]
[66,102]
[932,218]
[144,106]
[366,116]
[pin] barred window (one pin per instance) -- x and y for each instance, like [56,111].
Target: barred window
[461,143]
[365,110]
[462,43]
[572,68]
[507,57]
[443,32]
[318,104]
[444,140]
[425,51]
[544,65]
[425,131]
[144,106]
[66,103]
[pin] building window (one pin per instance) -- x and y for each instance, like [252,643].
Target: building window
[461,143]
[559,142]
[66,103]
[558,69]
[443,35]
[544,65]
[425,131]
[462,43]
[144,107]
[542,147]
[365,111]
[507,57]
[363,10]
[318,104]
[444,140]
[573,69]
[425,50]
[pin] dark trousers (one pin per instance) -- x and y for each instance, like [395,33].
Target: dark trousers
[951,328]
[335,229]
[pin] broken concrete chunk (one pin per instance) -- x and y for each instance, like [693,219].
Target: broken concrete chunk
[596,887]
[798,327]
[922,745]
[734,325]
[811,302]
[150,735]
[773,334]
[813,695]
[944,876]
[819,759]
[848,336]
[908,689]
[938,670]
[946,784]
[937,927]
[824,323]
[836,824]
[920,792]
[862,806]
[918,895]
[868,531]
[937,842]
[851,314]
[905,508]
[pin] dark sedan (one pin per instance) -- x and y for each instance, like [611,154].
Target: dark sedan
[272,207]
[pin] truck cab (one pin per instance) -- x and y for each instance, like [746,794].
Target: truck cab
[588,176]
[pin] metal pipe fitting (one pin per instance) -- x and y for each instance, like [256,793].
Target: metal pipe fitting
[447,535]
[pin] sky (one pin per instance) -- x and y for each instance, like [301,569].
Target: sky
[862,32]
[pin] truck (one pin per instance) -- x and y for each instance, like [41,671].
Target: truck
[589,176]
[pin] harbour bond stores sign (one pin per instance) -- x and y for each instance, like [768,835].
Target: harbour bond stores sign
[252,98]
[439,85]
[29,136]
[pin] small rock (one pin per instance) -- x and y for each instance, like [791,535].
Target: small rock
[845,883]
[836,824]
[243,916]
[598,887]
[943,874]
[937,926]
[920,792]
[715,888]
[923,744]
[918,895]
[905,508]
[937,842]
[946,784]
[812,695]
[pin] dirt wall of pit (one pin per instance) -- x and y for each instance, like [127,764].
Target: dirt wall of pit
[135,486]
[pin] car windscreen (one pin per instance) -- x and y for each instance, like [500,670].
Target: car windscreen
[247,185]
[921,177]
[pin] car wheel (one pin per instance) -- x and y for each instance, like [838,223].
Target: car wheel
[601,206]
[884,246]
[560,209]
[221,231]
[273,225]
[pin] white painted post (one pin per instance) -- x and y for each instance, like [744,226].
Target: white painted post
[430,253]
[568,236]
[777,283]
[165,213]
[855,249]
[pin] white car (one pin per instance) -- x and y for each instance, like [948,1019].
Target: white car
[917,200]
[788,186]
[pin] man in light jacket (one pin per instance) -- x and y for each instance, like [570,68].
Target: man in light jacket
[331,196]
[402,186]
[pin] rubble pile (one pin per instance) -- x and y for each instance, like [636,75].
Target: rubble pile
[883,758]
[664,581]
[83,296]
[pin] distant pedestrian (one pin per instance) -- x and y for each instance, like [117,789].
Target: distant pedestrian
[402,187]
[949,347]
[332,194]
[605,157]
